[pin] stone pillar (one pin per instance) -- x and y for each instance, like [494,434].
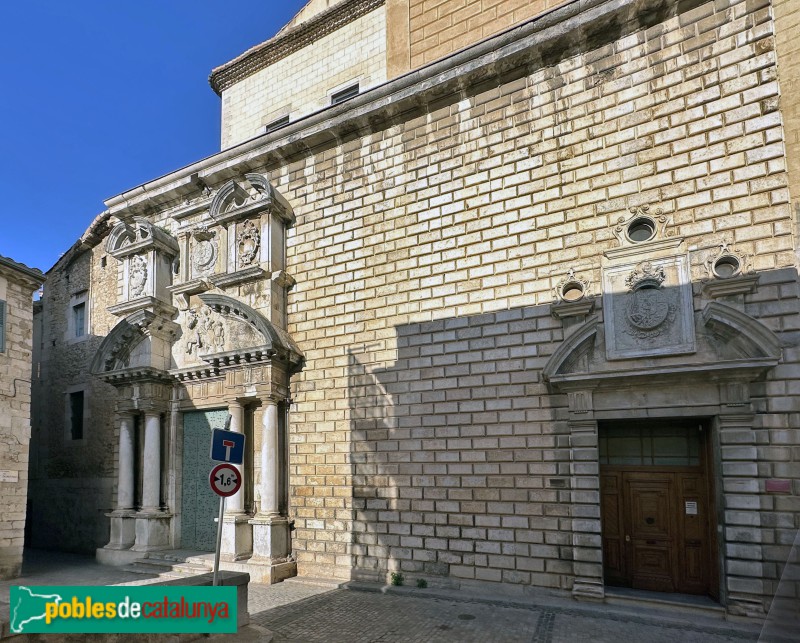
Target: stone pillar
[151,477]
[584,498]
[123,524]
[235,504]
[152,525]
[125,465]
[745,577]
[269,460]
[237,532]
[271,543]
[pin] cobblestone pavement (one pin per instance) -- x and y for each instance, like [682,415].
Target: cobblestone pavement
[299,611]
[293,612]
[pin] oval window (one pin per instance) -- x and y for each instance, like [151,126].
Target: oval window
[641,229]
[572,291]
[727,266]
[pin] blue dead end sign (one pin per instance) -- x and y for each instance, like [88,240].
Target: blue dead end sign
[227,446]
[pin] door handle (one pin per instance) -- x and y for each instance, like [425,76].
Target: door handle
[627,538]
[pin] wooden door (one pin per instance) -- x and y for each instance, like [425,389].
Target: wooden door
[656,526]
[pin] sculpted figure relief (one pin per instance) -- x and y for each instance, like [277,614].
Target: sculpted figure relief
[207,332]
[138,275]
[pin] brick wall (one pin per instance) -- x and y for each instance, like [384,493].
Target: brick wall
[15,425]
[302,82]
[425,257]
[440,27]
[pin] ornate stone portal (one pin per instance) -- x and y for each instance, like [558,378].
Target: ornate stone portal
[212,351]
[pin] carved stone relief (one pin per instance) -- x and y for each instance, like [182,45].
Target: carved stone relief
[204,251]
[206,331]
[248,242]
[648,309]
[138,276]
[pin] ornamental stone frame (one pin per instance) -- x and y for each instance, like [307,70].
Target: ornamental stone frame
[598,390]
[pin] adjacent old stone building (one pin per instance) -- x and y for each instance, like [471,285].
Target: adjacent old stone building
[498,292]
[17,284]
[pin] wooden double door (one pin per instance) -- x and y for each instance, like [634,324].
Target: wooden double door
[658,529]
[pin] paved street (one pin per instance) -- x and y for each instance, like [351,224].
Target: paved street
[300,611]
[293,612]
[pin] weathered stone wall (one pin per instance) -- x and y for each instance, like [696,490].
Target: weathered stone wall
[72,480]
[15,425]
[426,254]
[302,82]
[440,27]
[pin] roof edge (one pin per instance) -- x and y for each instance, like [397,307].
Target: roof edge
[285,43]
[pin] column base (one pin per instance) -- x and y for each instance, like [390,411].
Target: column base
[270,539]
[152,531]
[588,589]
[237,537]
[123,529]
[116,557]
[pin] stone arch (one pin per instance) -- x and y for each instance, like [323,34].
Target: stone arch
[277,343]
[116,347]
[745,336]
[234,195]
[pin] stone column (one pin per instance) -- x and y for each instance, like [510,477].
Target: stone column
[269,460]
[125,488]
[123,524]
[152,524]
[151,477]
[271,543]
[237,532]
[235,504]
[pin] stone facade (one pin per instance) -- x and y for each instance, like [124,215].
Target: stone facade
[17,284]
[474,274]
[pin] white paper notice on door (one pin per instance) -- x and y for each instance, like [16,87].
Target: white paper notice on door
[691,507]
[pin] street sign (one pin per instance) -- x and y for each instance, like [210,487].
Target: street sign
[227,446]
[225,480]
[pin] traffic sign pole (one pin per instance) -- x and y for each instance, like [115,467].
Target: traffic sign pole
[219,537]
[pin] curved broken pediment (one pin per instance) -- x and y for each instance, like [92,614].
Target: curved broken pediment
[129,238]
[243,331]
[736,345]
[237,199]
[741,335]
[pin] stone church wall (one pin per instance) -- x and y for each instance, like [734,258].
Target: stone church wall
[423,437]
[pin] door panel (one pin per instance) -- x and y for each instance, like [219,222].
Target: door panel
[655,529]
[613,534]
[650,523]
[199,505]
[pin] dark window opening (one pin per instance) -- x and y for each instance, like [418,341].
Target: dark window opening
[276,124]
[345,94]
[2,327]
[79,317]
[76,415]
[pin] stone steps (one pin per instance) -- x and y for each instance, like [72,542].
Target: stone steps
[170,564]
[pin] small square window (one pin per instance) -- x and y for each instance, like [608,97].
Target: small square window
[76,415]
[345,94]
[276,124]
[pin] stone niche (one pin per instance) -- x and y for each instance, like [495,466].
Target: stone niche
[647,290]
[146,253]
[241,239]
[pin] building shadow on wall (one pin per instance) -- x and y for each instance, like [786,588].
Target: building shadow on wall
[460,450]
[447,448]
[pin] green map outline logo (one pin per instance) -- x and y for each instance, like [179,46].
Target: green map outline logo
[141,609]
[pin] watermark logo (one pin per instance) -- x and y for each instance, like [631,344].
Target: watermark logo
[133,610]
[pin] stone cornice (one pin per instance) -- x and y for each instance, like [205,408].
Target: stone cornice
[288,42]
[30,277]
[491,60]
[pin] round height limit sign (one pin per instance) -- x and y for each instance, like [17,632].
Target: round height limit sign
[225,480]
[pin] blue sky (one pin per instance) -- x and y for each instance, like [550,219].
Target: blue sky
[100,96]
